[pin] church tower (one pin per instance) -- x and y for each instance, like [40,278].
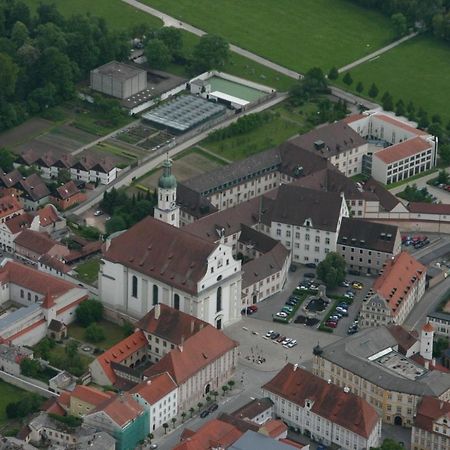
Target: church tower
[167,209]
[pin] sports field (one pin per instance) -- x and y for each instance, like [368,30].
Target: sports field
[299,34]
[418,70]
[118,14]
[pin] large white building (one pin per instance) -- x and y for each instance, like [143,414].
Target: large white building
[329,414]
[154,262]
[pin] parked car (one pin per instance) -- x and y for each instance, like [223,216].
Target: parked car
[292,344]
[280,339]
[354,272]
[204,413]
[342,311]
[345,283]
[309,275]
[213,407]
[281,314]
[253,308]
[98,213]
[286,341]
[303,287]
[330,324]
[311,265]
[357,285]
[344,305]
[293,268]
[275,335]
[269,333]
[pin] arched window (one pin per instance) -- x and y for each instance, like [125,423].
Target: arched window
[219,299]
[29,296]
[176,301]
[134,286]
[155,294]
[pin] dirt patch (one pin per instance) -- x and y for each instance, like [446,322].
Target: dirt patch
[23,132]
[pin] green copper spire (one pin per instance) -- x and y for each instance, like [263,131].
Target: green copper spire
[167,180]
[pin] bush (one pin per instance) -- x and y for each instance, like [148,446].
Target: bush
[29,404]
[89,311]
[94,333]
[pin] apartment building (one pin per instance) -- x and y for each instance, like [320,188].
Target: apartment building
[441,323]
[400,285]
[329,414]
[366,246]
[385,366]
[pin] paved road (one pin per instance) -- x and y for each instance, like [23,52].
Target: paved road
[377,53]
[172,21]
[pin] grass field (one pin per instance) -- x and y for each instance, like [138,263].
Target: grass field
[8,394]
[286,123]
[118,14]
[113,333]
[88,270]
[418,70]
[299,34]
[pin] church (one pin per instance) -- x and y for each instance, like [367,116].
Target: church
[155,261]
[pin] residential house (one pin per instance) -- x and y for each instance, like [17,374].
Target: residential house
[366,246]
[11,228]
[400,285]
[85,399]
[35,192]
[93,170]
[123,418]
[431,427]
[10,207]
[259,410]
[67,196]
[329,414]
[441,323]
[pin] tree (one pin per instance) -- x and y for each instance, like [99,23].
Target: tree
[183,416]
[211,52]
[174,421]
[19,34]
[89,311]
[172,38]
[8,75]
[333,74]
[94,333]
[199,405]
[400,109]
[150,437]
[71,349]
[165,426]
[7,159]
[231,383]
[373,91]
[442,343]
[191,410]
[225,388]
[214,394]
[411,110]
[443,177]
[400,25]
[49,13]
[127,328]
[390,444]
[116,223]
[423,121]
[332,270]
[348,80]
[30,367]
[387,102]
[157,54]
[359,87]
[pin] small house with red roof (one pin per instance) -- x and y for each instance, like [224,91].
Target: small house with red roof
[332,415]
[67,196]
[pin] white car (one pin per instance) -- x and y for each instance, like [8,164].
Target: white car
[293,343]
[286,341]
[281,314]
[269,333]
[98,213]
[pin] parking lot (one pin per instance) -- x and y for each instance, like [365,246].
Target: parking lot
[273,304]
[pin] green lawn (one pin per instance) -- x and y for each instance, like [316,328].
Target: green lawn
[287,122]
[58,352]
[8,394]
[418,70]
[113,333]
[299,34]
[88,270]
[118,14]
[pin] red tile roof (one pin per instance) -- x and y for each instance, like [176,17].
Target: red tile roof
[328,400]
[121,351]
[400,124]
[429,208]
[34,280]
[35,241]
[354,118]
[155,388]
[19,222]
[54,407]
[213,434]
[399,275]
[67,190]
[9,205]
[197,352]
[431,409]
[163,252]
[292,443]
[172,325]
[274,428]
[91,395]
[404,338]
[48,215]
[121,409]
[403,150]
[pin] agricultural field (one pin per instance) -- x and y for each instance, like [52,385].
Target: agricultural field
[118,14]
[417,70]
[321,33]
[286,123]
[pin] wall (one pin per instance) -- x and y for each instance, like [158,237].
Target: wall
[27,384]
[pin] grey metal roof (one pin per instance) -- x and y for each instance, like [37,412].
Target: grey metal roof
[440,315]
[352,354]
[19,314]
[118,71]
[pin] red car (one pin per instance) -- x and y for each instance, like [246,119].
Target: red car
[330,324]
[253,308]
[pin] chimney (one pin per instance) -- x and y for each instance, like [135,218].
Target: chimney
[295,367]
[157,311]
